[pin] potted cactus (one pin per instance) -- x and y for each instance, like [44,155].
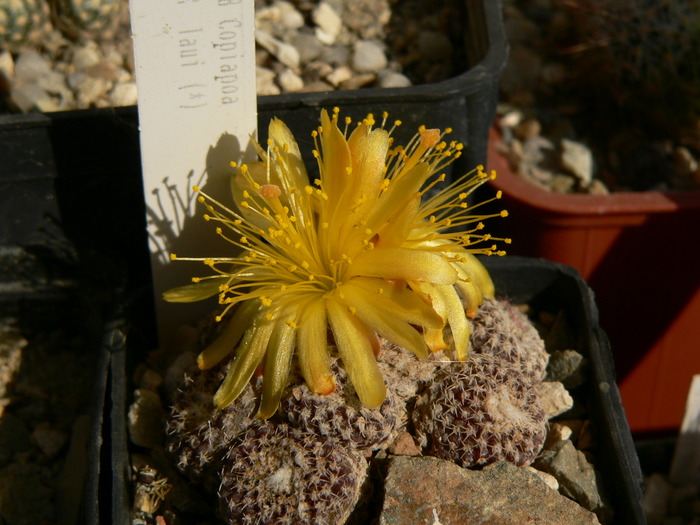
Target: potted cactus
[626,68]
[353,315]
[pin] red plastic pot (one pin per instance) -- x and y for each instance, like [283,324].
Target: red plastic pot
[640,253]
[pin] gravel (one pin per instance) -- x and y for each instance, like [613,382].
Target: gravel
[64,62]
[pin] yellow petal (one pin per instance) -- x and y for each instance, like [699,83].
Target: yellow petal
[312,349]
[384,317]
[291,171]
[336,159]
[355,349]
[404,263]
[278,362]
[457,320]
[248,356]
[472,266]
[232,332]
[196,291]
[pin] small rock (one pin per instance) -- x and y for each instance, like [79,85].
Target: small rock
[124,94]
[318,86]
[561,183]
[339,75]
[657,494]
[557,432]
[567,367]
[91,89]
[392,79]
[50,440]
[145,419]
[265,82]
[86,57]
[500,493]
[528,129]
[289,81]
[328,21]
[290,16]
[578,159]
[597,187]
[7,64]
[554,398]
[576,476]
[308,46]
[550,480]
[404,445]
[358,81]
[30,67]
[367,18]
[368,57]
[285,53]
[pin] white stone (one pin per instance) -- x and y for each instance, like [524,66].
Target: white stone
[549,480]
[554,398]
[328,21]
[392,79]
[289,81]
[368,57]
[86,57]
[285,53]
[290,16]
[91,89]
[578,159]
[32,96]
[339,75]
[30,67]
[265,82]
[124,94]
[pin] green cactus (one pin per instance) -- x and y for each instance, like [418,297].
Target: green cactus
[22,22]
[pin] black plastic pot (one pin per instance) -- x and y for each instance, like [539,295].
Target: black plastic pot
[546,287]
[61,307]
[88,161]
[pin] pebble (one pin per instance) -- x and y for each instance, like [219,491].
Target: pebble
[290,82]
[554,398]
[328,21]
[368,57]
[50,440]
[578,159]
[327,44]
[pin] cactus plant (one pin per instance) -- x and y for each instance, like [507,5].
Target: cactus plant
[480,411]
[277,474]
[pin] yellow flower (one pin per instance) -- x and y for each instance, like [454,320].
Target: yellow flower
[363,249]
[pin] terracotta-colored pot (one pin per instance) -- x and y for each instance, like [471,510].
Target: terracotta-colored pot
[640,253]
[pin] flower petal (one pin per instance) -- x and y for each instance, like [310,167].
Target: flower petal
[278,362]
[232,332]
[404,263]
[355,349]
[312,349]
[249,354]
[384,318]
[190,293]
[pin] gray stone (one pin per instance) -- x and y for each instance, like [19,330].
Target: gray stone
[124,94]
[368,57]
[657,494]
[146,419]
[367,17]
[577,477]
[308,46]
[554,398]
[567,367]
[500,493]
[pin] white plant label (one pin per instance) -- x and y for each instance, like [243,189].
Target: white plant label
[195,71]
